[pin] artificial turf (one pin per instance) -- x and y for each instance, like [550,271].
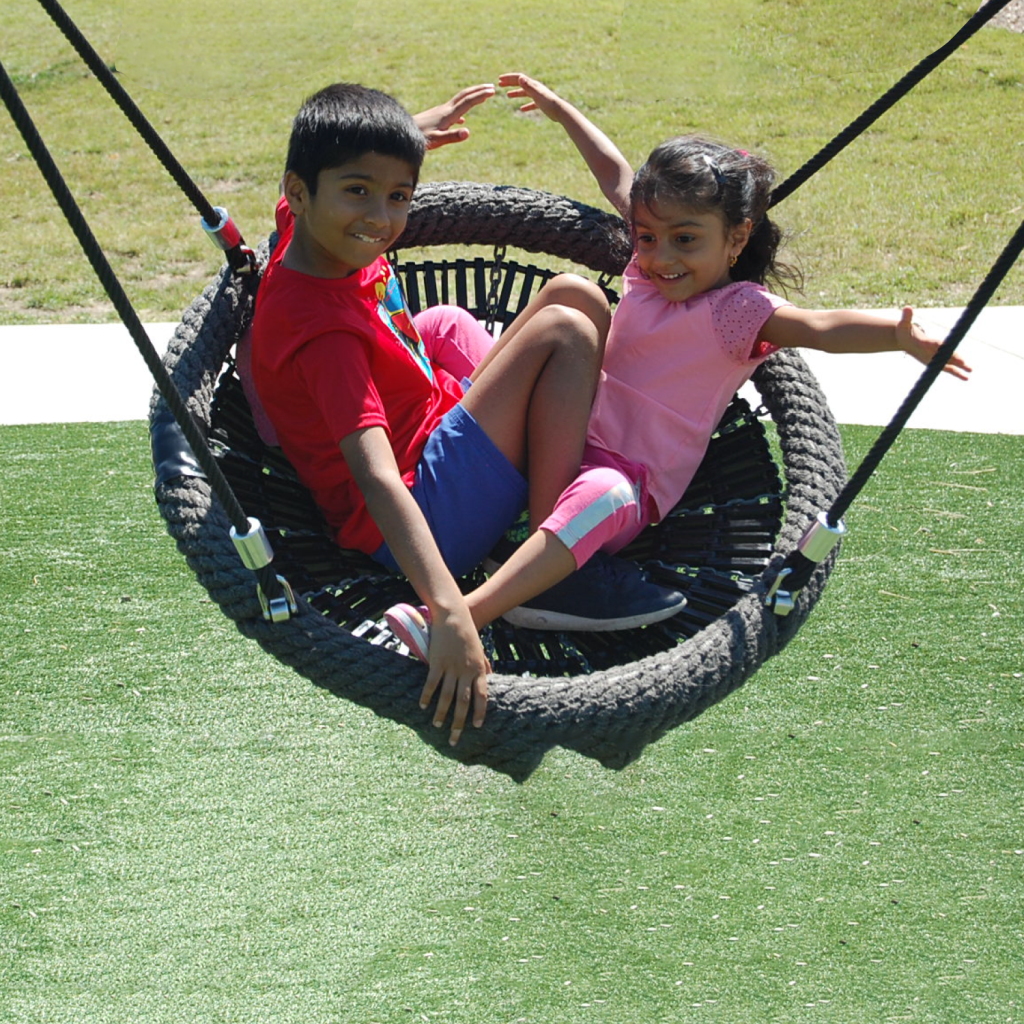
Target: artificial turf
[189,831]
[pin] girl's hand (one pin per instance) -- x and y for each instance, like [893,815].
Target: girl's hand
[913,340]
[437,122]
[459,667]
[610,168]
[539,96]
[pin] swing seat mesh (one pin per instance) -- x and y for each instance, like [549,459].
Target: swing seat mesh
[605,695]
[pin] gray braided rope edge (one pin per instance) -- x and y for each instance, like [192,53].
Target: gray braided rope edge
[611,715]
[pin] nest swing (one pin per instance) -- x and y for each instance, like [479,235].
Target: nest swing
[605,695]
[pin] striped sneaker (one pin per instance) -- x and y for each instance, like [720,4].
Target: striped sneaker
[412,626]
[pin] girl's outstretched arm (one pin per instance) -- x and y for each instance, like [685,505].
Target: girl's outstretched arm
[606,163]
[844,330]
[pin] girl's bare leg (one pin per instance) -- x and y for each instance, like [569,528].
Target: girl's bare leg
[536,565]
[533,391]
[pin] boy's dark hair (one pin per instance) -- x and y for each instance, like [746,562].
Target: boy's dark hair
[710,176]
[345,121]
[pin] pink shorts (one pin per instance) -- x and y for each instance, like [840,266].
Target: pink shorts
[604,508]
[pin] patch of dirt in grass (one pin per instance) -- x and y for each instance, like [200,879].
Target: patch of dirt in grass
[228,186]
[12,304]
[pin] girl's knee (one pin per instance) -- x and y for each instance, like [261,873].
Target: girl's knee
[454,339]
[577,292]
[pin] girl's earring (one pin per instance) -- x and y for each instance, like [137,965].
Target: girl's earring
[732,262]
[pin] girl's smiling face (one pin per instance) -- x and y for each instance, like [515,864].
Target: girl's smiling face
[684,251]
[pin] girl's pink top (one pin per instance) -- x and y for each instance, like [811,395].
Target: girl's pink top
[670,370]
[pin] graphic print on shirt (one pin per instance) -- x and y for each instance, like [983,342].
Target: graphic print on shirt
[393,314]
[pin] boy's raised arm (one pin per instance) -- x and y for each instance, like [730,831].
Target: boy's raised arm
[606,163]
[442,124]
[458,664]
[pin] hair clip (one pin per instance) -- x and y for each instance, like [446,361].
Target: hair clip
[714,169]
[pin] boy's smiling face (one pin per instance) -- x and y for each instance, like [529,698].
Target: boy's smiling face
[359,210]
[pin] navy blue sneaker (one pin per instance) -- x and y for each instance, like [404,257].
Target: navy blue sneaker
[607,593]
[510,541]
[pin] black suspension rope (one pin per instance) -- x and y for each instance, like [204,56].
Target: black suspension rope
[238,255]
[984,293]
[884,102]
[801,563]
[69,207]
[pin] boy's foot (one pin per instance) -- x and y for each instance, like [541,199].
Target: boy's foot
[412,626]
[606,593]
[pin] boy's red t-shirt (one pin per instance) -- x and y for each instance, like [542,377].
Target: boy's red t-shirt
[334,355]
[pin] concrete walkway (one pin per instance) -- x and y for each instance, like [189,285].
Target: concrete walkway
[93,373]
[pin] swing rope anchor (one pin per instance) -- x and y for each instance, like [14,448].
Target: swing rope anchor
[821,537]
[226,237]
[256,553]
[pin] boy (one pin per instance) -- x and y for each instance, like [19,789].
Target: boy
[406,464]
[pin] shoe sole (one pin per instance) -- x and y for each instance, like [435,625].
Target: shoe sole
[535,618]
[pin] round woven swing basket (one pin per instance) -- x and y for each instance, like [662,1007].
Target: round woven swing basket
[610,715]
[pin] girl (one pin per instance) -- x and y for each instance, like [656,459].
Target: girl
[694,322]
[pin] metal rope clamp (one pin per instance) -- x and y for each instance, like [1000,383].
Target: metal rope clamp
[226,236]
[256,553]
[814,546]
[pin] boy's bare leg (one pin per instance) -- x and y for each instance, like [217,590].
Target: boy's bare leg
[568,290]
[533,401]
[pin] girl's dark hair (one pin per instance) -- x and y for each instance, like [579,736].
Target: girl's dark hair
[709,176]
[346,121]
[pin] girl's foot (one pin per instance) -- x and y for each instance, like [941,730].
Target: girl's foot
[607,593]
[412,626]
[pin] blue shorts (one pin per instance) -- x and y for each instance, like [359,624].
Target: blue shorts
[469,492]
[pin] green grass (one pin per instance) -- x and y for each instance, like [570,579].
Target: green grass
[191,832]
[917,210]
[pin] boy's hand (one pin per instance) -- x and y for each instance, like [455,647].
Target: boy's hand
[913,340]
[539,96]
[459,667]
[437,122]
